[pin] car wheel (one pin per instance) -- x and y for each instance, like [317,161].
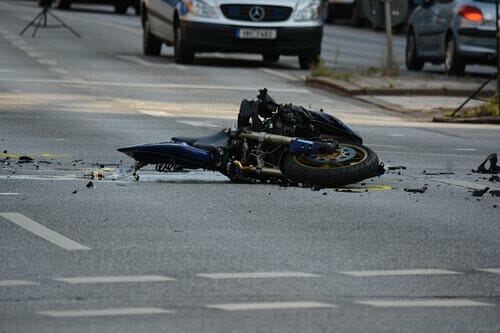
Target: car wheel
[271,58]
[413,62]
[121,8]
[330,10]
[453,63]
[308,61]
[356,18]
[151,45]
[182,54]
[62,4]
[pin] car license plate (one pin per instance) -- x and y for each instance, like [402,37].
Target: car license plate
[256,33]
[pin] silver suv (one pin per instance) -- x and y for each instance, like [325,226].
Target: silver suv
[268,27]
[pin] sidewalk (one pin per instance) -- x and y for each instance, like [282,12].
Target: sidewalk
[434,95]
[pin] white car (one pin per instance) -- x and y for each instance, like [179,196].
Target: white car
[268,27]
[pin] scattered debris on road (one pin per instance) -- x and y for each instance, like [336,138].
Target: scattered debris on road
[479,193]
[437,173]
[90,184]
[495,193]
[494,179]
[489,165]
[24,159]
[416,190]
[399,167]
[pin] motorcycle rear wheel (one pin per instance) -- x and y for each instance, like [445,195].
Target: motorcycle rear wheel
[349,164]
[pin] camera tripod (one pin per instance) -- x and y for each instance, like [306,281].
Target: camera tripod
[40,21]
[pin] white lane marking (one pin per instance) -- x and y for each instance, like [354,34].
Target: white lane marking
[104,312]
[465,149]
[43,232]
[424,303]
[460,183]
[154,85]
[384,146]
[279,74]
[15,283]
[430,154]
[156,113]
[35,54]
[490,270]
[59,70]
[198,123]
[396,134]
[48,62]
[400,272]
[6,193]
[270,306]
[114,279]
[137,60]
[256,275]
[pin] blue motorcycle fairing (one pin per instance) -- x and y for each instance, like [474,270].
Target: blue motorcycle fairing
[179,153]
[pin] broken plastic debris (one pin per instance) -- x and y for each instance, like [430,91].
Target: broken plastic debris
[479,193]
[489,165]
[399,167]
[25,159]
[416,190]
[494,179]
[90,185]
[495,193]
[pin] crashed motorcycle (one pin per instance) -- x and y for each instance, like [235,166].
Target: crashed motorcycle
[278,143]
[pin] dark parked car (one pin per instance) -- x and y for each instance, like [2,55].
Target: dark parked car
[453,32]
[121,6]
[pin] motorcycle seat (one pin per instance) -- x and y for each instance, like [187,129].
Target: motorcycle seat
[209,142]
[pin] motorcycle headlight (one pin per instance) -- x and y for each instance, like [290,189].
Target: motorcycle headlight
[308,10]
[200,8]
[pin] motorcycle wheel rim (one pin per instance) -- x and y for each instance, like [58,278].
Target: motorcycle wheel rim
[347,155]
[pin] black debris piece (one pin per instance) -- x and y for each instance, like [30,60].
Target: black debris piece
[90,185]
[25,159]
[5,151]
[494,178]
[489,165]
[495,193]
[74,192]
[325,193]
[346,190]
[479,193]
[437,173]
[44,162]
[399,167]
[416,190]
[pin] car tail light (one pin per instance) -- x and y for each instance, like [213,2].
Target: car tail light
[471,13]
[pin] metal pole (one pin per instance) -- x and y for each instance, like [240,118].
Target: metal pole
[388,36]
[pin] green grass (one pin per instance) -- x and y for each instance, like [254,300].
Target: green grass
[322,71]
[487,109]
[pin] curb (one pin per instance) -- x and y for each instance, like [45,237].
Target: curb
[471,120]
[351,89]
[348,89]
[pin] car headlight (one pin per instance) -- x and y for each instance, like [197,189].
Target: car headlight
[308,10]
[200,8]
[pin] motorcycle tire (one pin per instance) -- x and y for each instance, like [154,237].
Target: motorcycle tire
[349,164]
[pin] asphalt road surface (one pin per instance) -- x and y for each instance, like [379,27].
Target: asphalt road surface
[192,252]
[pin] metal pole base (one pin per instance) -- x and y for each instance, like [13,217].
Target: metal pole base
[40,21]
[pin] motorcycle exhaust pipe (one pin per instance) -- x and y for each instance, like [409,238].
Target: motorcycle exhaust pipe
[262,137]
[259,171]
